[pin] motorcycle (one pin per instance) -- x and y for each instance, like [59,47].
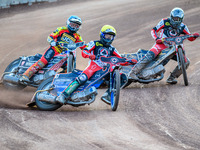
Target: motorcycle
[49,89]
[155,70]
[11,75]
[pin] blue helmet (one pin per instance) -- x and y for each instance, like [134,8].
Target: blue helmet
[73,23]
[176,17]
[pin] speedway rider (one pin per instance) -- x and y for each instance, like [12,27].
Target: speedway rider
[167,27]
[93,51]
[67,34]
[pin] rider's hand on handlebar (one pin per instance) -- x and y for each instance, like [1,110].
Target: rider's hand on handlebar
[132,61]
[196,35]
[92,57]
[54,43]
[158,41]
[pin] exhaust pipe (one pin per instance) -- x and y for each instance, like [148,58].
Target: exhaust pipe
[46,98]
[11,79]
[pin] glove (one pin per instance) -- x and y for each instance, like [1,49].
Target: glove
[92,57]
[131,61]
[134,61]
[54,43]
[196,35]
[158,41]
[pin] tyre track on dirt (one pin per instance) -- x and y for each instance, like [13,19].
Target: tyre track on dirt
[17,131]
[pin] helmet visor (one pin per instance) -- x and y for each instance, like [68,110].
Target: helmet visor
[176,19]
[109,36]
[74,25]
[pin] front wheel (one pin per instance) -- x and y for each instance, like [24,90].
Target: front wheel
[115,90]
[183,65]
[70,63]
[44,86]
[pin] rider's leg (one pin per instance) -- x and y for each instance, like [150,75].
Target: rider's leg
[106,97]
[151,54]
[80,80]
[32,70]
[38,65]
[176,73]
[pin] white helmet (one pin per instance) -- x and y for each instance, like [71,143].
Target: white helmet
[176,17]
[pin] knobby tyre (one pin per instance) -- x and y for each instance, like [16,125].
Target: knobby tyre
[45,105]
[183,65]
[70,64]
[115,92]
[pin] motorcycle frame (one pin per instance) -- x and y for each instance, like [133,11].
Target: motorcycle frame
[107,71]
[168,53]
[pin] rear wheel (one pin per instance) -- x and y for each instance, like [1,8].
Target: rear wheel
[45,85]
[115,90]
[183,65]
[11,70]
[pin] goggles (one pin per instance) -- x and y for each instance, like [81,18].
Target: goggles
[176,19]
[74,25]
[109,36]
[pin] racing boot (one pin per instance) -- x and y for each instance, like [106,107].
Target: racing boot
[31,71]
[171,79]
[176,73]
[24,79]
[63,97]
[106,97]
[141,64]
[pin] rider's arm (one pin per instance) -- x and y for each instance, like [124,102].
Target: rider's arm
[154,34]
[116,53]
[156,29]
[186,31]
[79,39]
[53,36]
[86,52]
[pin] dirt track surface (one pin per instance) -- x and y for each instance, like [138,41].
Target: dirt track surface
[150,117]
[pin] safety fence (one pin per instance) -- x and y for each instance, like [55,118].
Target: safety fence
[8,3]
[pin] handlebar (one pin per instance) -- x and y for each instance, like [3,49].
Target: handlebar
[130,61]
[71,46]
[177,39]
[112,60]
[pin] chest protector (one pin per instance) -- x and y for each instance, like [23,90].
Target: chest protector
[101,50]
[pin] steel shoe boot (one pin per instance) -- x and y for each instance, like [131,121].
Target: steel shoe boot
[62,99]
[24,79]
[171,80]
[106,98]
